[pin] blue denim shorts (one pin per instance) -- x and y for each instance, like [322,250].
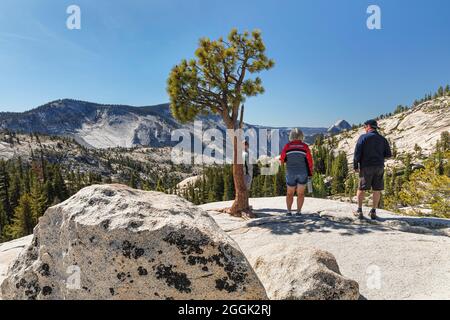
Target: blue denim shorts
[294,180]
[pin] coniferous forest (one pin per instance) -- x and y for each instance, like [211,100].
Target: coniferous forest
[333,178]
[55,168]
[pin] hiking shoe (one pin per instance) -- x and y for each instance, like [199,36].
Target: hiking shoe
[298,214]
[373,214]
[288,214]
[359,214]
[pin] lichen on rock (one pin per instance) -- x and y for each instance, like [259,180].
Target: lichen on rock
[113,242]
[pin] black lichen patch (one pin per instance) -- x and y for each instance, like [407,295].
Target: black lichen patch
[46,291]
[32,288]
[222,284]
[44,270]
[193,260]
[142,271]
[174,279]
[109,193]
[111,290]
[131,251]
[186,246]
[135,224]
[91,239]
[235,278]
[105,224]
[138,252]
[121,276]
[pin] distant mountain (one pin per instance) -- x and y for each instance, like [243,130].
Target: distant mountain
[339,127]
[108,126]
[417,128]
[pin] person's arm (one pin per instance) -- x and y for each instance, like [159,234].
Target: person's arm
[387,150]
[283,155]
[357,154]
[309,158]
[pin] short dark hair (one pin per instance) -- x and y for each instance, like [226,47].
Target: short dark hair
[372,123]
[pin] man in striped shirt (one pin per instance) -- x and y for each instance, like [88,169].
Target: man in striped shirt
[299,168]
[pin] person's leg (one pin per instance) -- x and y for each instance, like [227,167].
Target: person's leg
[376,199]
[378,187]
[365,182]
[290,198]
[361,196]
[300,198]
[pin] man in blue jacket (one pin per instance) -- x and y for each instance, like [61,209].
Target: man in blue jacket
[370,153]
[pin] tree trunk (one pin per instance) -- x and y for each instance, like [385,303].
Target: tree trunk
[241,203]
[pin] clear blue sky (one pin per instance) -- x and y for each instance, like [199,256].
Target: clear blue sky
[329,65]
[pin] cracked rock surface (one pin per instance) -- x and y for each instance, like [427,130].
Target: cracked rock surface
[113,242]
[394,257]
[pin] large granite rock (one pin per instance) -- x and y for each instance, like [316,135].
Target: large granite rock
[290,273]
[393,258]
[113,242]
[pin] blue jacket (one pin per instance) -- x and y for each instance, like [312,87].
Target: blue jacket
[371,151]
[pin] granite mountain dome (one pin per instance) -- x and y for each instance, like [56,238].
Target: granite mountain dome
[108,126]
[339,127]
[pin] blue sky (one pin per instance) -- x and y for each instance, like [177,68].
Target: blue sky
[329,66]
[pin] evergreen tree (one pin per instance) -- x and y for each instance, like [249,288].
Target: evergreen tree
[319,187]
[23,221]
[59,186]
[408,167]
[197,87]
[4,191]
[39,200]
[159,186]
[228,184]
[339,173]
[134,180]
[3,221]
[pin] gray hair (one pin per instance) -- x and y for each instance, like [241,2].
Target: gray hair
[296,134]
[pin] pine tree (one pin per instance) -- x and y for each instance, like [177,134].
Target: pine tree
[134,180]
[39,201]
[319,187]
[267,187]
[23,221]
[3,222]
[159,186]
[4,190]
[193,88]
[349,187]
[59,186]
[408,167]
[228,184]
[14,191]
[339,173]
